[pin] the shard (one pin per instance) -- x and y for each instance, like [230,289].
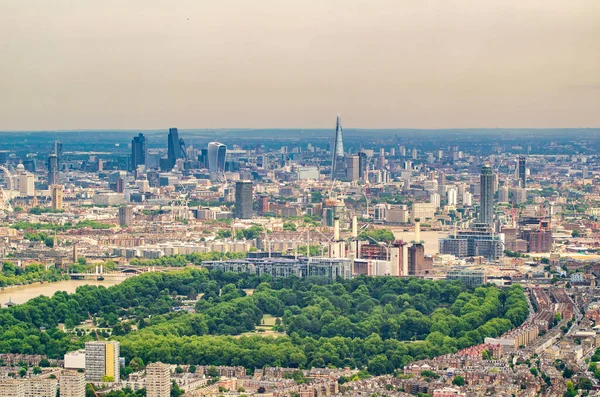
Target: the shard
[338,164]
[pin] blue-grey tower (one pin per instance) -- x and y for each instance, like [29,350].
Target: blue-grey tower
[338,163]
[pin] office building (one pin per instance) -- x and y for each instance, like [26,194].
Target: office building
[423,211]
[363,165]
[338,162]
[243,200]
[125,216]
[522,171]
[472,277]
[353,168]
[138,151]
[29,164]
[486,214]
[176,148]
[216,153]
[56,194]
[519,195]
[476,242]
[72,384]
[102,361]
[330,268]
[158,380]
[52,169]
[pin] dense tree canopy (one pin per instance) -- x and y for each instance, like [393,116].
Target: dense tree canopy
[358,323]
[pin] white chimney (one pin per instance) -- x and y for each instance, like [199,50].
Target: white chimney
[418,230]
[336,230]
[354,227]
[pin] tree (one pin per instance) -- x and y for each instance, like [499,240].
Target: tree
[192,369]
[37,370]
[584,384]
[568,373]
[575,233]
[378,365]
[458,381]
[289,226]
[22,372]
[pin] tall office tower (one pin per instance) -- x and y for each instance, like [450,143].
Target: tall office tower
[363,164]
[58,149]
[102,361]
[158,380]
[217,152]
[338,163]
[353,168]
[174,147]
[415,154]
[56,194]
[486,214]
[125,216]
[72,384]
[138,151]
[29,164]
[522,171]
[52,169]
[243,200]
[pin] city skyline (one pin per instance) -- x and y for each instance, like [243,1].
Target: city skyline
[271,65]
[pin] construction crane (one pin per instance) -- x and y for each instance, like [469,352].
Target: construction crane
[94,325]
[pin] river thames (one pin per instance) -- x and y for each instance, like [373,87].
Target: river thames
[23,293]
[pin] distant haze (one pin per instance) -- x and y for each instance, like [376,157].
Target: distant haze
[70,64]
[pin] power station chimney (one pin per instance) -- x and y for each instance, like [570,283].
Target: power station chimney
[418,230]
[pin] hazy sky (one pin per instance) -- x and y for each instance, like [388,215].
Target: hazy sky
[70,64]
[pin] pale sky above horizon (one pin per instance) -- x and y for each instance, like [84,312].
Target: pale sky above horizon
[148,64]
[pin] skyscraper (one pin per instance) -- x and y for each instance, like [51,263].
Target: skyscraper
[52,169]
[102,361]
[158,380]
[522,171]
[362,164]
[175,146]
[138,151]
[216,158]
[486,214]
[353,168]
[243,200]
[338,163]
